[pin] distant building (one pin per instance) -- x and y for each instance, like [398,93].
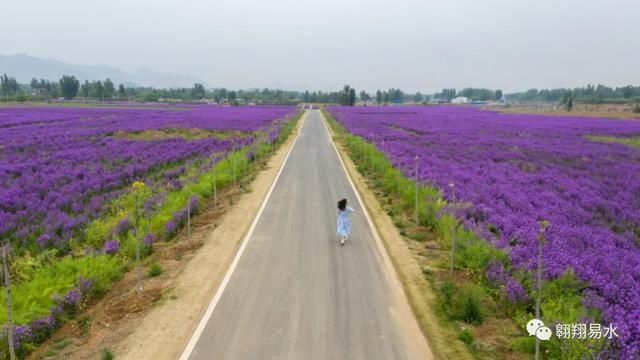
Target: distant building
[460,100]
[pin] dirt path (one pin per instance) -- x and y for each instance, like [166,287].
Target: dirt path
[159,323]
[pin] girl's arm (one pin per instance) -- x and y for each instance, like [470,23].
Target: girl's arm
[350,209]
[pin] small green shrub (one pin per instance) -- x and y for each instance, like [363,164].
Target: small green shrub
[106,354]
[525,344]
[471,310]
[466,337]
[155,270]
[461,303]
[84,324]
[445,296]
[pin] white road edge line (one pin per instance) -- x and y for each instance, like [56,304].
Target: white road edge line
[381,249]
[216,298]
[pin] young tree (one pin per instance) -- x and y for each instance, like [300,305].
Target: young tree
[69,86]
[231,95]
[98,90]
[364,96]
[418,98]
[352,97]
[498,96]
[85,89]
[385,97]
[8,86]
[197,92]
[122,92]
[379,97]
[570,102]
[109,89]
[4,85]
[344,95]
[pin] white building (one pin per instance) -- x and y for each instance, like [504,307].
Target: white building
[460,100]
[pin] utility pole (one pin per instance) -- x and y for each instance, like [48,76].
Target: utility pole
[138,186]
[189,219]
[7,287]
[215,192]
[416,158]
[452,231]
[541,241]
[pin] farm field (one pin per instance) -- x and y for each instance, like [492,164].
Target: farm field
[68,204]
[503,177]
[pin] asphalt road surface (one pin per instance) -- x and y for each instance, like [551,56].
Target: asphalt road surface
[295,292]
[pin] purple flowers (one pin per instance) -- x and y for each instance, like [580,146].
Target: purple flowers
[149,239]
[44,240]
[60,188]
[193,204]
[516,170]
[111,247]
[38,330]
[170,228]
[515,291]
[21,334]
[123,226]
[73,297]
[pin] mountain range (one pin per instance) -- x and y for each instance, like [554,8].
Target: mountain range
[25,67]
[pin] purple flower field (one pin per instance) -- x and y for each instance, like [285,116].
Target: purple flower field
[59,166]
[517,170]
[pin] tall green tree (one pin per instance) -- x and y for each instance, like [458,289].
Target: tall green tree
[197,92]
[98,90]
[231,96]
[85,89]
[109,89]
[352,97]
[8,85]
[69,86]
[379,97]
[122,92]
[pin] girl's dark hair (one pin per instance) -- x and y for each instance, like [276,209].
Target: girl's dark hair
[342,204]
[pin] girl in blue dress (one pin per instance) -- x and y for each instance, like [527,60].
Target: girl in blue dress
[344,223]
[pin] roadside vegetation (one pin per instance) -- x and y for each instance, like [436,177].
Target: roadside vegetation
[51,284]
[462,268]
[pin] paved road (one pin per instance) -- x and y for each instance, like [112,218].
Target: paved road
[296,293]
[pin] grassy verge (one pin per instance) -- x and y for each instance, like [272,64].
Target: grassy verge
[479,299]
[49,288]
[633,141]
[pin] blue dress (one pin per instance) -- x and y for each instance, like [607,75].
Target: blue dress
[344,223]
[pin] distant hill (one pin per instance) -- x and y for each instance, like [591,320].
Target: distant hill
[24,68]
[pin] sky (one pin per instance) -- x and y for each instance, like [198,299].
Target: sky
[414,45]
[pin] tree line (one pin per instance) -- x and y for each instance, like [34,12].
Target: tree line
[587,94]
[69,87]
